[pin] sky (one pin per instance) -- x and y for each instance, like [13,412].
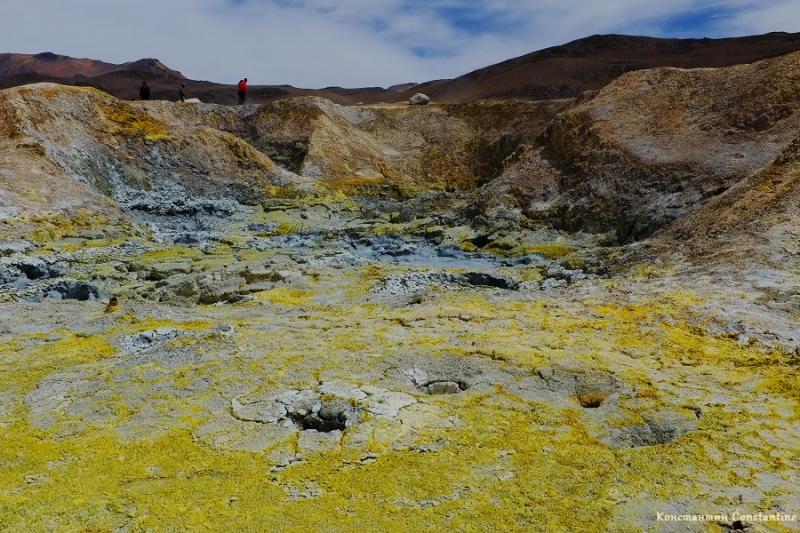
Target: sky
[358,43]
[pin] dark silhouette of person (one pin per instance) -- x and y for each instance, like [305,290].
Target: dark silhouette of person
[144,91]
[242,89]
[182,93]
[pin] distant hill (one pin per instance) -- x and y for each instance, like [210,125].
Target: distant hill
[48,64]
[558,72]
[594,62]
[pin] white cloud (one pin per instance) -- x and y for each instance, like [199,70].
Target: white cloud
[781,16]
[316,43]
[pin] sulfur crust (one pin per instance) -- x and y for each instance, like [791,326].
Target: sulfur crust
[99,479]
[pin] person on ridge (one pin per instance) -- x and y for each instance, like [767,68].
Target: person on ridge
[182,93]
[242,91]
[144,91]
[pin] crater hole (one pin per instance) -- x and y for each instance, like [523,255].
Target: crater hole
[332,416]
[592,400]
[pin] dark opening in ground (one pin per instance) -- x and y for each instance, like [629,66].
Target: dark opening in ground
[487,280]
[33,271]
[480,241]
[332,416]
[73,290]
[592,400]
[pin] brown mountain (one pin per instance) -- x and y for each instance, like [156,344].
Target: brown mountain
[593,62]
[50,65]
[557,72]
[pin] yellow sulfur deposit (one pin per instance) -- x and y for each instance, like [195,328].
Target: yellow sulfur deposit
[134,440]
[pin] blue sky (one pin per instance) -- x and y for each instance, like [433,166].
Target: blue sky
[357,43]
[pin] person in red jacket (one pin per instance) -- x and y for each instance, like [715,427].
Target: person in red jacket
[242,91]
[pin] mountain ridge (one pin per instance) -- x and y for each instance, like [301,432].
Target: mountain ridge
[49,64]
[562,71]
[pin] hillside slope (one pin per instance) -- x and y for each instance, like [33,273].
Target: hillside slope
[557,72]
[593,62]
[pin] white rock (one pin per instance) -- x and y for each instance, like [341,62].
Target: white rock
[389,403]
[267,411]
[342,389]
[417,375]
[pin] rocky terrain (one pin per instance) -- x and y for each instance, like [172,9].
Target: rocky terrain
[573,314]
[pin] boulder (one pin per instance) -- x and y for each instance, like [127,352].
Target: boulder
[161,271]
[419,99]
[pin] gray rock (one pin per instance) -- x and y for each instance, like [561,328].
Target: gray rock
[263,227]
[545,372]
[552,283]
[226,292]
[488,280]
[556,272]
[332,410]
[31,268]
[260,275]
[70,289]
[332,416]
[419,99]
[148,339]
[188,289]
[10,247]
[162,271]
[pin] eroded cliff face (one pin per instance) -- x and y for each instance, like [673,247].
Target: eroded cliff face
[630,160]
[124,152]
[151,156]
[307,316]
[657,144]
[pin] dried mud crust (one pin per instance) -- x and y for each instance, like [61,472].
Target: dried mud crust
[313,391]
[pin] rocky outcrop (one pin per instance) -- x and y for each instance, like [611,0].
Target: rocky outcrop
[639,155]
[165,159]
[655,145]
[92,144]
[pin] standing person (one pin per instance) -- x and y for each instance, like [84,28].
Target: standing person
[144,91]
[182,93]
[242,91]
